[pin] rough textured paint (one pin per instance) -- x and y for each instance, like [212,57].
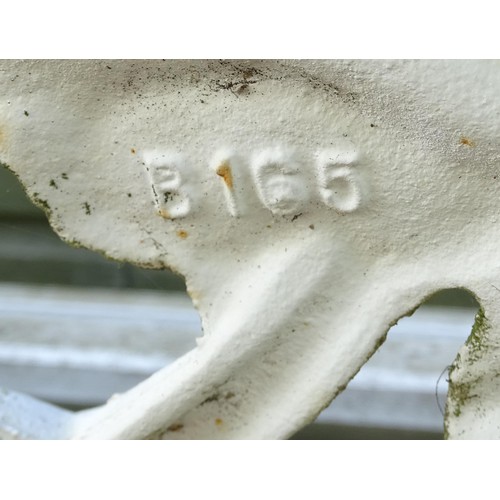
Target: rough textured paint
[356,189]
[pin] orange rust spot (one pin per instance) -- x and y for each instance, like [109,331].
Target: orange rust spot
[164,214]
[224,170]
[218,421]
[467,142]
[132,150]
[175,427]
[182,234]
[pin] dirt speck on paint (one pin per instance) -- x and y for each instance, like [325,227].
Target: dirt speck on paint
[176,427]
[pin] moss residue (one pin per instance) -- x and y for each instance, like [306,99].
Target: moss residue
[460,392]
[87,208]
[476,342]
[43,204]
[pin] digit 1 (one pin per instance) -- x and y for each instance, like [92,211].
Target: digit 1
[232,174]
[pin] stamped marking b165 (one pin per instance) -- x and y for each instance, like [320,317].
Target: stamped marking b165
[277,176]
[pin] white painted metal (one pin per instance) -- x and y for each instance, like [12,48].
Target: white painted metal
[353,189]
[78,347]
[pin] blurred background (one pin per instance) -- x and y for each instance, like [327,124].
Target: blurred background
[76,328]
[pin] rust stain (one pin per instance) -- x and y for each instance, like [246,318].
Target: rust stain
[164,214]
[132,150]
[467,142]
[182,234]
[224,170]
[218,421]
[175,427]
